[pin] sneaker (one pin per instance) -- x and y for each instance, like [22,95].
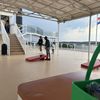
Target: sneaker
[48,58]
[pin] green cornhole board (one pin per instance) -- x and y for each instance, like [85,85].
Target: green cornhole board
[78,87]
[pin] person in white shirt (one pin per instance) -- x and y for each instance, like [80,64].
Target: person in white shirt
[53,47]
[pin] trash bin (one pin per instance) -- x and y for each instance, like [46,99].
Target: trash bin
[79,87]
[4,49]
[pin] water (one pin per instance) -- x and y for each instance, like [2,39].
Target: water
[82,47]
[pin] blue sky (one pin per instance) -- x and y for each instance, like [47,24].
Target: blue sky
[75,30]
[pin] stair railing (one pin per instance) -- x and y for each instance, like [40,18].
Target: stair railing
[5,37]
[20,37]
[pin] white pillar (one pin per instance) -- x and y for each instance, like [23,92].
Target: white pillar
[58,38]
[89,39]
[30,39]
[12,22]
[0,24]
[96,30]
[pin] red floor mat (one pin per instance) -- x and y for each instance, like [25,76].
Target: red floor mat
[96,65]
[36,58]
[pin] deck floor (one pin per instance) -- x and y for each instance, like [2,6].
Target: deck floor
[14,70]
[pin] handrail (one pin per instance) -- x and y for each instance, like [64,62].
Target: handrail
[92,62]
[20,37]
[5,37]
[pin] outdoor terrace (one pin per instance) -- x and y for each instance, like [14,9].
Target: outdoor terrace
[14,70]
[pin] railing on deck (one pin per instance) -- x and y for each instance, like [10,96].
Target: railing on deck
[33,33]
[5,37]
[20,37]
[77,47]
[28,37]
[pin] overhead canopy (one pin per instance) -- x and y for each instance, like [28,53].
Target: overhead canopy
[62,10]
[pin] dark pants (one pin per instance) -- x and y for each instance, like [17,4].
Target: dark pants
[40,46]
[7,29]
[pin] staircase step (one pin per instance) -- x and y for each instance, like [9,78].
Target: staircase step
[17,53]
[18,50]
[14,44]
[15,47]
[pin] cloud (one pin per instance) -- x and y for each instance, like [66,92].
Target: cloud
[78,34]
[78,30]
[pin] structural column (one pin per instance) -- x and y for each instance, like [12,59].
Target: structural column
[89,38]
[96,30]
[19,19]
[58,38]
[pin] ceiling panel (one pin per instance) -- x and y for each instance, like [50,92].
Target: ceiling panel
[64,2]
[59,13]
[57,5]
[94,5]
[47,2]
[59,9]
[39,5]
[88,2]
[67,9]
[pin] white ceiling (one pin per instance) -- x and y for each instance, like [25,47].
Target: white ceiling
[62,10]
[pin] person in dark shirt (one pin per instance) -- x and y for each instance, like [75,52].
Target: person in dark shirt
[47,47]
[40,43]
[7,27]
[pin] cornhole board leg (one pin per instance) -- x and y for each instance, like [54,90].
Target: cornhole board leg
[19,98]
[96,65]
[36,58]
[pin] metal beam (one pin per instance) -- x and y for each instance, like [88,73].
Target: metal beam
[40,17]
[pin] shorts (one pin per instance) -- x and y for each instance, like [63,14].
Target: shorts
[48,50]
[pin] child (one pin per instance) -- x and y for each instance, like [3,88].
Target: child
[53,47]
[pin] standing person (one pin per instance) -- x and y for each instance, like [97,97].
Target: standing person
[47,47]
[53,47]
[40,43]
[7,27]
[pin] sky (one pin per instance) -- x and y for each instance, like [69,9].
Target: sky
[75,30]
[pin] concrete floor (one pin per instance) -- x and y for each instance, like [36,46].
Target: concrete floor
[14,70]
